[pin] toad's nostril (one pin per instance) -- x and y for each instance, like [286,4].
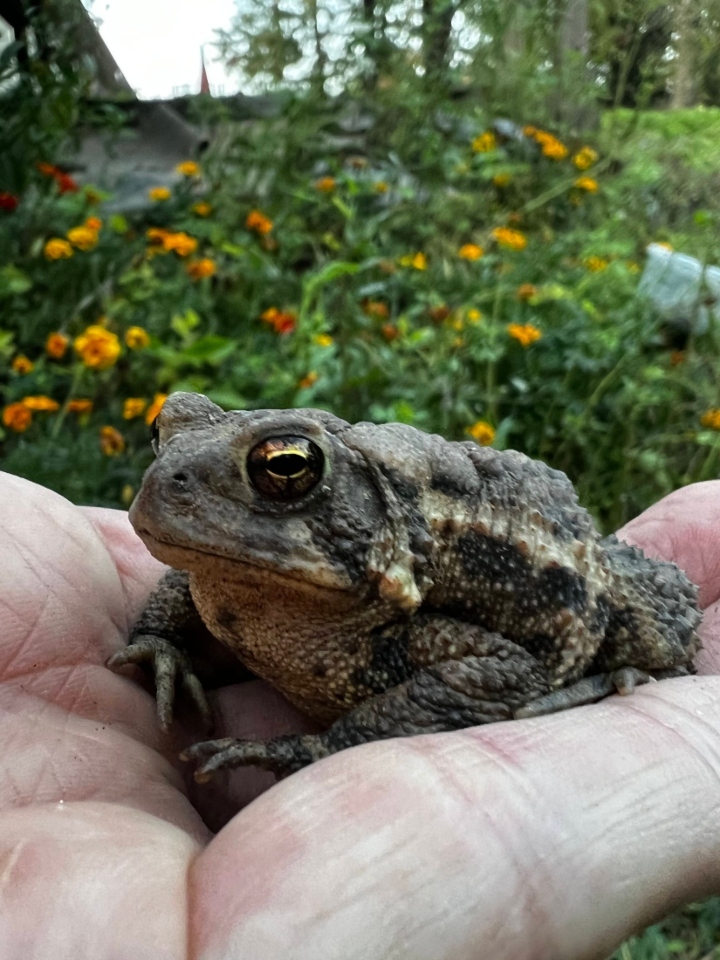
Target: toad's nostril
[180,477]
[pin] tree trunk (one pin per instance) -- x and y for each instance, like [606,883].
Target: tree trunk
[683,92]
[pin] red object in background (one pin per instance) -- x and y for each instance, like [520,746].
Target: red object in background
[8,201]
[204,82]
[65,182]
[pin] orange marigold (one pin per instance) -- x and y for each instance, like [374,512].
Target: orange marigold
[509,238]
[390,332]
[258,222]
[56,345]
[197,269]
[524,333]
[159,193]
[133,407]
[376,308]
[41,404]
[22,364]
[325,184]
[202,208]
[526,291]
[587,183]
[482,432]
[308,381]
[93,223]
[17,417]
[282,321]
[470,251]
[181,243]
[155,407]
[57,249]
[83,238]
[79,405]
[711,419]
[112,441]
[98,347]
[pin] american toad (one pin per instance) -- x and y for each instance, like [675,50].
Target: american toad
[386,581]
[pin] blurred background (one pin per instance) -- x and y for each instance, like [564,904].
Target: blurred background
[487,219]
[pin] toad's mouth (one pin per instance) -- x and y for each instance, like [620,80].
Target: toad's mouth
[176,555]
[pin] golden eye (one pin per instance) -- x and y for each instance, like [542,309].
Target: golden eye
[285,468]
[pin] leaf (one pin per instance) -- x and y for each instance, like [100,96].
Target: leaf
[13,281]
[209,349]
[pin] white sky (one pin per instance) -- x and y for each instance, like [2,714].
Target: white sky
[156,43]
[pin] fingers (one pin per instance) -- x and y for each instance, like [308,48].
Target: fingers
[684,527]
[555,837]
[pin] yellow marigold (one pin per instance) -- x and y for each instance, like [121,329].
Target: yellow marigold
[584,158]
[22,364]
[83,238]
[133,407]
[474,315]
[595,264]
[157,234]
[381,186]
[155,407]
[502,179]
[99,348]
[137,338]
[587,183]
[57,249]
[524,333]
[79,405]
[510,239]
[258,222]
[308,381]
[325,184]
[17,417]
[418,261]
[711,419]
[485,143]
[470,251]
[56,345]
[482,432]
[323,340]
[159,193]
[188,168]
[41,404]
[202,208]
[376,308]
[526,290]
[555,150]
[197,269]
[181,243]
[93,223]
[112,441]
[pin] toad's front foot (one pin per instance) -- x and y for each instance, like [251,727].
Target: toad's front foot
[281,755]
[169,665]
[587,690]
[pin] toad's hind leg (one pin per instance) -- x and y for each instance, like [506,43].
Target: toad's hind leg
[482,687]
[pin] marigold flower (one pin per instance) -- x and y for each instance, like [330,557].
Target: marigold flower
[56,345]
[112,441]
[381,186]
[390,332]
[501,179]
[584,158]
[159,193]
[258,222]
[308,381]
[47,169]
[202,208]
[93,223]
[17,417]
[526,291]
[133,407]
[375,308]
[485,143]
[155,407]
[83,237]
[137,338]
[282,321]
[470,251]
[482,432]
[156,234]
[418,261]
[66,184]
[510,239]
[188,168]
[555,150]
[595,264]
[40,404]
[711,419]
[57,249]
[474,315]
[181,243]
[8,201]
[587,183]
[325,184]
[524,333]
[323,340]
[529,130]
[79,405]
[439,313]
[197,269]
[99,348]
[22,364]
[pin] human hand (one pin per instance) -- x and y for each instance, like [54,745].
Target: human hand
[554,837]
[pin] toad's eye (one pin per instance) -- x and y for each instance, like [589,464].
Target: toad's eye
[155,436]
[285,468]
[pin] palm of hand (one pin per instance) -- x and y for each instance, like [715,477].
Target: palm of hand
[553,837]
